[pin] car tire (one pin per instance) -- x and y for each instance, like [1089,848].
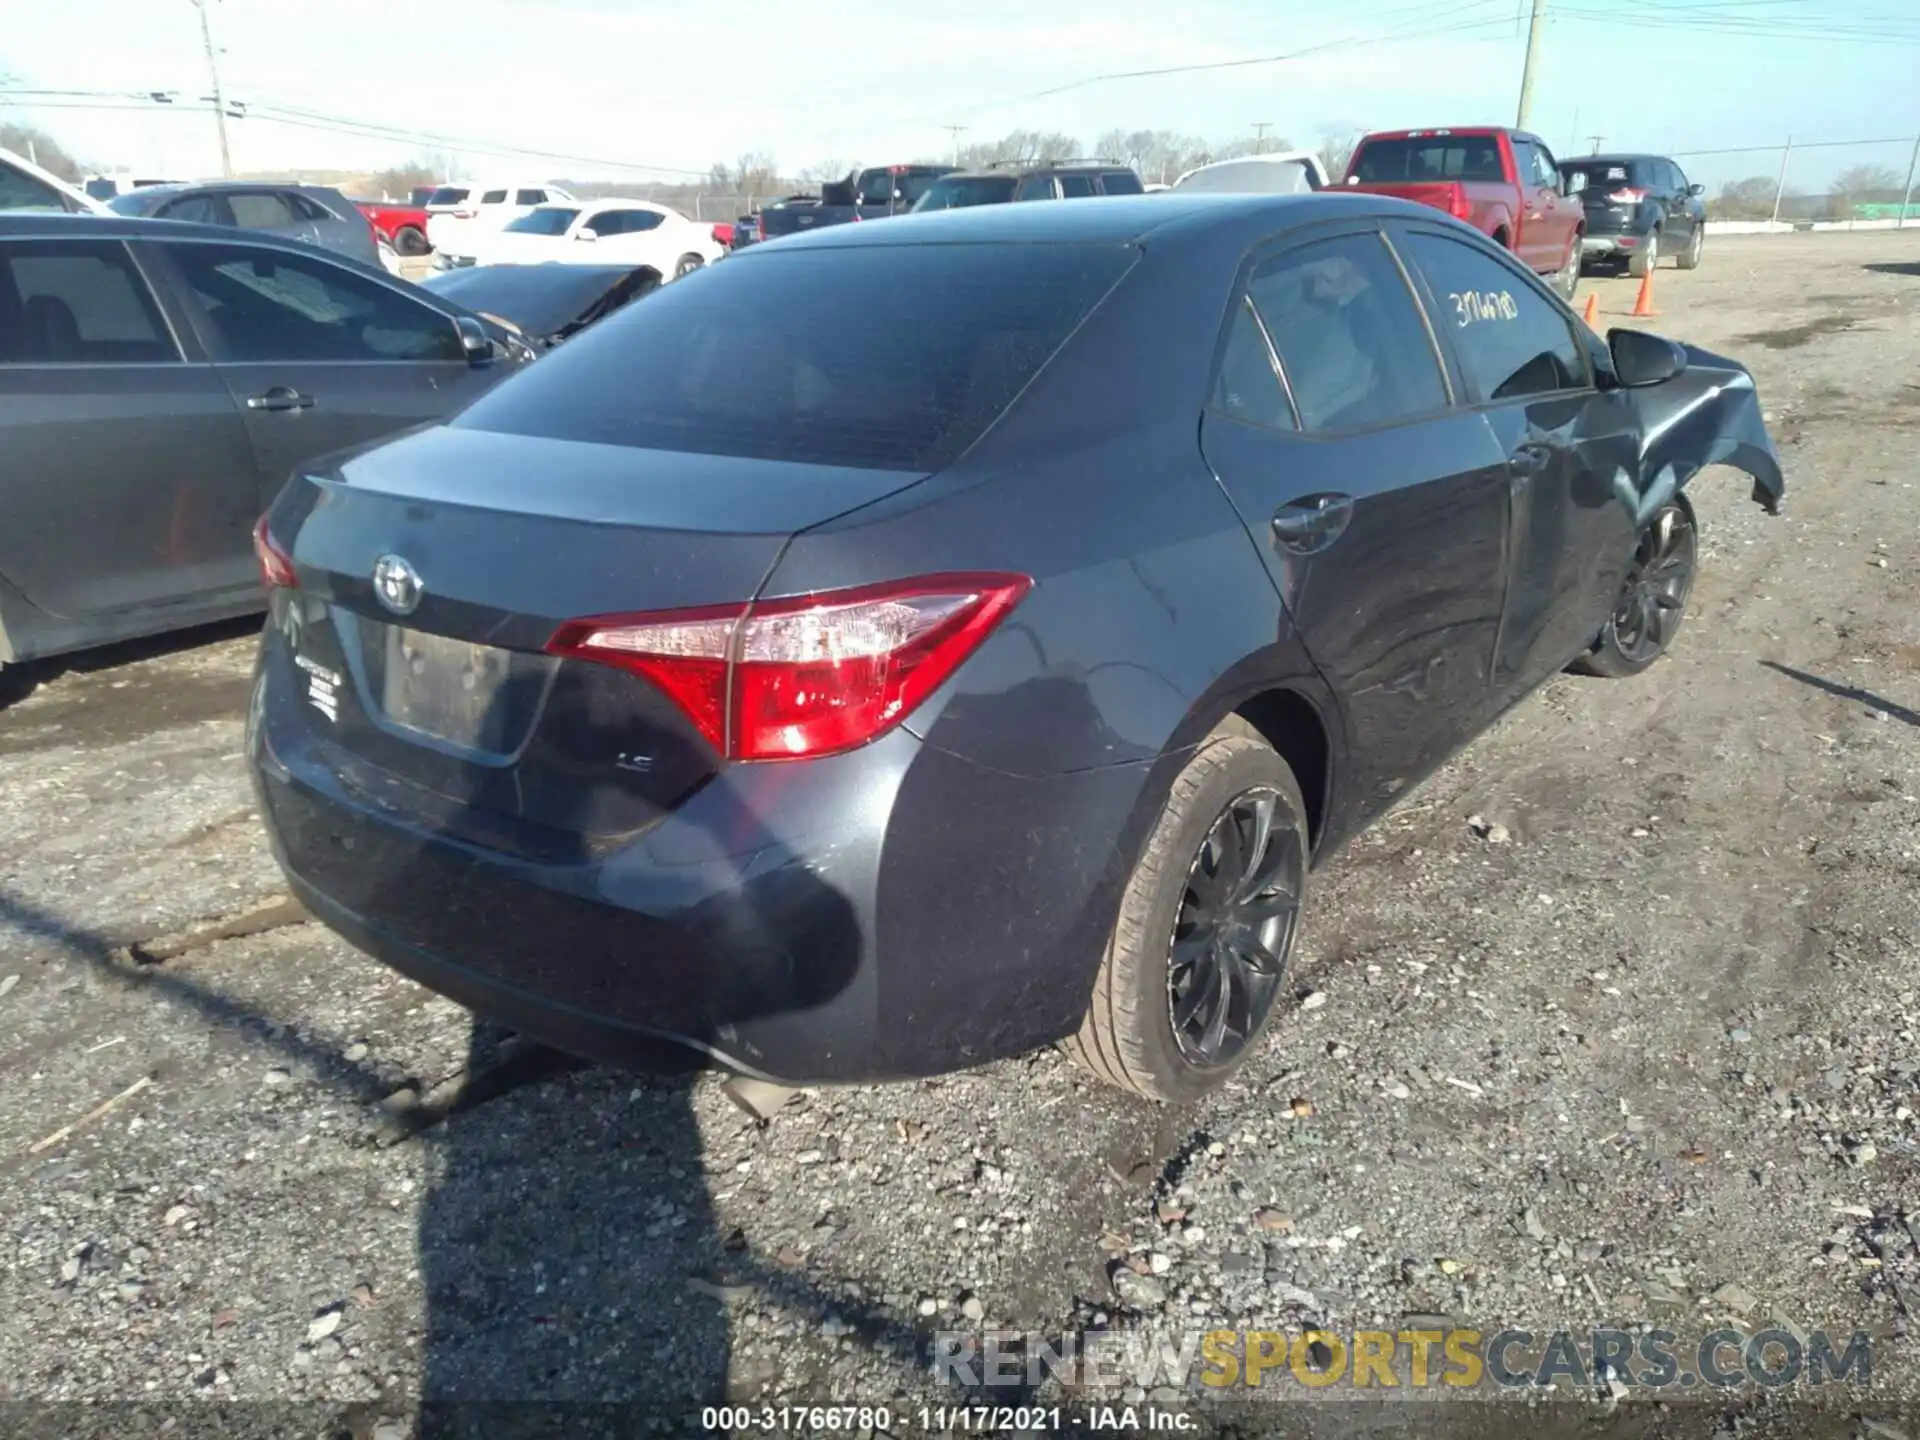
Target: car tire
[410,242]
[1645,255]
[1566,279]
[1135,1035]
[1653,596]
[687,264]
[1689,258]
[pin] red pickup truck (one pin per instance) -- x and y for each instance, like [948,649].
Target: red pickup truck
[1504,183]
[402,226]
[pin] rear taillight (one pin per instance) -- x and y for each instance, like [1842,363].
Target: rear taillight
[1627,197]
[276,566]
[759,227]
[1458,205]
[790,679]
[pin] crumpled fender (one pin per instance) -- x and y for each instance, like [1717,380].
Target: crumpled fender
[1709,414]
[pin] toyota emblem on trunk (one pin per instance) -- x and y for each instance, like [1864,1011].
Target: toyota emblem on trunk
[397,584]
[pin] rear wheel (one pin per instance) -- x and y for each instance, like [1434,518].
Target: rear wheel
[1689,258]
[1653,598]
[688,264]
[1199,956]
[1645,255]
[409,240]
[1567,279]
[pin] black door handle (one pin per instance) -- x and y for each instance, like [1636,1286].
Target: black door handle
[280,397]
[1312,522]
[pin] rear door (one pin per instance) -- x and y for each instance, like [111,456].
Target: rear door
[126,479]
[1525,366]
[1378,506]
[319,356]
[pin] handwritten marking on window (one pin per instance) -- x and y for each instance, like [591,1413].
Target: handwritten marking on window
[1470,306]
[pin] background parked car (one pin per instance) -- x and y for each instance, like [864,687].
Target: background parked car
[546,304]
[25,186]
[316,214]
[158,383]
[599,232]
[1282,172]
[1639,209]
[876,193]
[105,187]
[876,700]
[459,216]
[1502,182]
[404,227]
[1046,180]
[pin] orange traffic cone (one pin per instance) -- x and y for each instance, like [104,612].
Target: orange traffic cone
[1592,313]
[1643,304]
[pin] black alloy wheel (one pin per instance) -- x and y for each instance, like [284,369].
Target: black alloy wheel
[688,264]
[1653,598]
[1234,931]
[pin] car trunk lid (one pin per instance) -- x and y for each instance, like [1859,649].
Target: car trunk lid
[432,573]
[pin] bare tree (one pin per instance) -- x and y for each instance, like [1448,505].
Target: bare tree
[41,148]
[823,170]
[1748,199]
[1859,184]
[400,181]
[1025,147]
[1336,153]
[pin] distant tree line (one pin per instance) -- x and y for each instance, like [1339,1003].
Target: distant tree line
[1754,197]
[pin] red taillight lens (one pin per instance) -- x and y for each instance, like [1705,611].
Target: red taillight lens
[759,227]
[276,566]
[1458,205]
[1627,197]
[791,679]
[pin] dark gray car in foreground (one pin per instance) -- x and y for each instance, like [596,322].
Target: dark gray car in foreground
[316,214]
[159,382]
[855,701]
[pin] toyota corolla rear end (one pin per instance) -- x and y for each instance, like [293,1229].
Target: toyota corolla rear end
[535,721]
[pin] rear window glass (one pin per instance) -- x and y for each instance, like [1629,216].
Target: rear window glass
[1433,157]
[1611,172]
[1249,177]
[756,359]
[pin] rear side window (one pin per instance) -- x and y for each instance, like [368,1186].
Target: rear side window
[494,197]
[201,209]
[626,222]
[1249,386]
[1438,157]
[21,191]
[261,210]
[1351,341]
[1035,187]
[954,192]
[757,358]
[77,303]
[1121,182]
[529,197]
[1076,187]
[1512,341]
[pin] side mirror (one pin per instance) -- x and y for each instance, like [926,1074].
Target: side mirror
[1696,189]
[474,340]
[586,234]
[1640,359]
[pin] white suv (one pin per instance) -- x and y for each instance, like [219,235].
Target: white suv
[464,211]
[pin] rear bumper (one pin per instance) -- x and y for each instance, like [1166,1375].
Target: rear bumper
[1621,244]
[888,913]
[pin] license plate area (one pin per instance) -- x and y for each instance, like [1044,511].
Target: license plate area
[477,697]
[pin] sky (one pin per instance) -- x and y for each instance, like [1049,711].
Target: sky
[615,85]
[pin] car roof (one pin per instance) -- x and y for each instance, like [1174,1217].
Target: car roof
[1111,220]
[1426,131]
[32,225]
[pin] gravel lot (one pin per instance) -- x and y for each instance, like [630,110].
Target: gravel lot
[1614,1021]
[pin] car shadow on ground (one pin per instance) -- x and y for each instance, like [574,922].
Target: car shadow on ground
[1895,267]
[21,680]
[1848,692]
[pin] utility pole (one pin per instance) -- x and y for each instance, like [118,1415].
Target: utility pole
[956,131]
[1780,185]
[1534,27]
[1260,128]
[1596,139]
[219,101]
[1906,193]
